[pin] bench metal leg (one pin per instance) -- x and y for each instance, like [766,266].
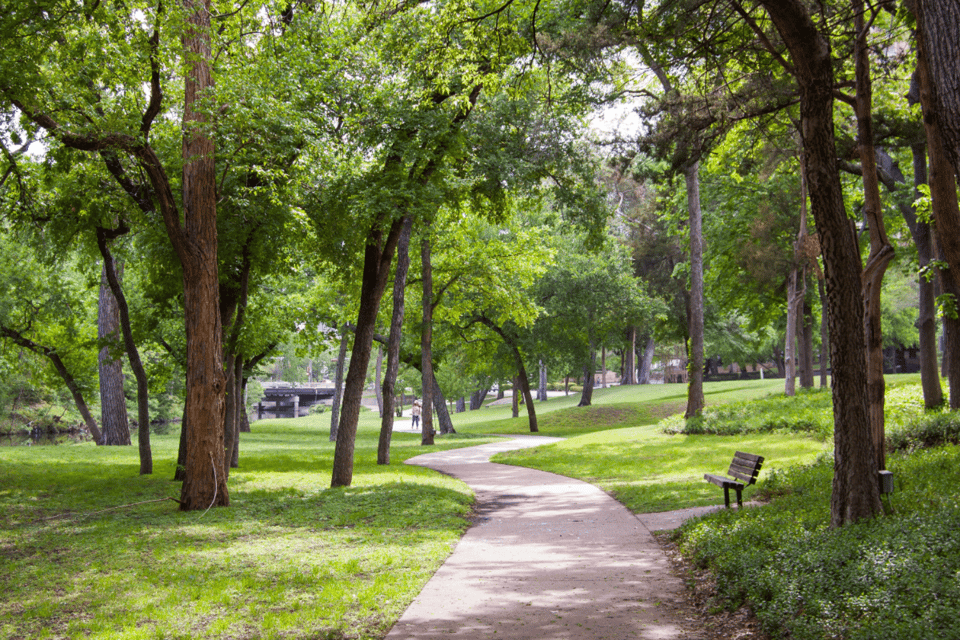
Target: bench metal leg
[726,496]
[740,498]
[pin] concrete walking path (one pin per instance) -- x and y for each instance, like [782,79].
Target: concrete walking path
[548,558]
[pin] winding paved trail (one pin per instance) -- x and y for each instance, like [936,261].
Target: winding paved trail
[548,558]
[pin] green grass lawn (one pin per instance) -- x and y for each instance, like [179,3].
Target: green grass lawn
[90,549]
[290,558]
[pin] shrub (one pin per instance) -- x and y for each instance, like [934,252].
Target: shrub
[891,577]
[928,430]
[809,411]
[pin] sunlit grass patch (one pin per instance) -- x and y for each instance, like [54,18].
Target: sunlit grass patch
[649,471]
[290,558]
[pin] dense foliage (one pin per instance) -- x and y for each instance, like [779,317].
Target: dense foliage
[893,576]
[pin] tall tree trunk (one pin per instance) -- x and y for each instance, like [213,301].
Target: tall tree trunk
[426,341]
[461,404]
[133,354]
[695,400]
[378,256]
[927,318]
[113,403]
[938,23]
[855,494]
[824,333]
[518,360]
[629,358]
[946,211]
[393,344]
[922,235]
[646,363]
[881,251]
[204,483]
[336,401]
[603,367]
[229,413]
[789,346]
[377,380]
[515,398]
[542,382]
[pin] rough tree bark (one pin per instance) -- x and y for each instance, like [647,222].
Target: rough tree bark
[922,234]
[113,403]
[646,362]
[133,354]
[589,368]
[393,344]
[378,256]
[204,483]
[426,341]
[946,211]
[855,494]
[881,251]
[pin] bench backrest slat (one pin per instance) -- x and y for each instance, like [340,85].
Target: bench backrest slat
[745,467]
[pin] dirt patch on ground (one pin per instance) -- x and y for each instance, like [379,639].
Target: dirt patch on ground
[714,622]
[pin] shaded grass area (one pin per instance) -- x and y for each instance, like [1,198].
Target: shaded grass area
[649,471]
[290,558]
[891,577]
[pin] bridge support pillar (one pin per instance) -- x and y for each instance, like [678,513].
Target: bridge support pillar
[296,406]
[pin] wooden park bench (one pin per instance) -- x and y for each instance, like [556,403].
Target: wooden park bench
[745,468]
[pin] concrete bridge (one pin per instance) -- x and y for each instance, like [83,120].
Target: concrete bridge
[291,401]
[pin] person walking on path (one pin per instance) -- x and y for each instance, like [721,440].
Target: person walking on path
[547,558]
[415,412]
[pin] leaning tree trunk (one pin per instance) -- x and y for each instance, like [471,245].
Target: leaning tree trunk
[695,399]
[443,413]
[515,398]
[113,403]
[378,256]
[133,354]
[855,494]
[393,344]
[64,374]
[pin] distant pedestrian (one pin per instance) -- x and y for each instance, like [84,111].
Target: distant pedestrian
[415,412]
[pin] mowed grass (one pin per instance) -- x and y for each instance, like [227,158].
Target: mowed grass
[648,471]
[615,444]
[89,549]
[290,558]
